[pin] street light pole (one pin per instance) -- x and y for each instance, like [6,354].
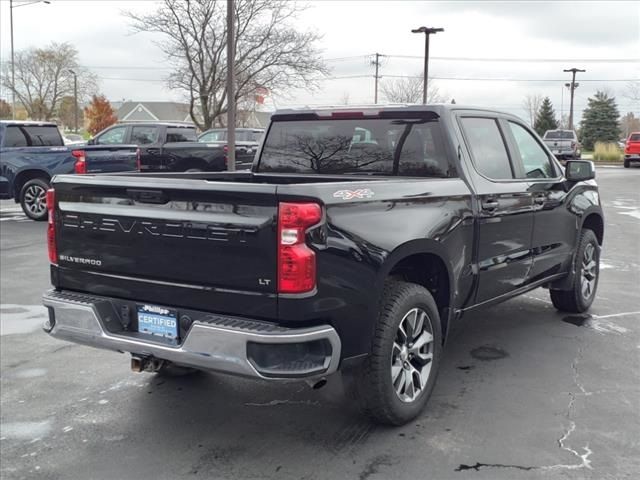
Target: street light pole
[573,87]
[231,91]
[13,65]
[427,32]
[75,100]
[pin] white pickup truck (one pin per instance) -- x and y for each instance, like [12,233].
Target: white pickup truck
[563,144]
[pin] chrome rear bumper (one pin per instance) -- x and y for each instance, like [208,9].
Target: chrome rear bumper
[219,344]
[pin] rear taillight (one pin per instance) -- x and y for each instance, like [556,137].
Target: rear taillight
[81,164]
[573,145]
[138,162]
[51,227]
[296,261]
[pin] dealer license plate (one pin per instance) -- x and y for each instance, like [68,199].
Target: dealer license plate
[158,321]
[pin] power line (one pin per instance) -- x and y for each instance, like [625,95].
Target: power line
[526,60]
[519,79]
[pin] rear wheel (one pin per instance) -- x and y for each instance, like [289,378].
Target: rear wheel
[585,281]
[627,163]
[396,380]
[33,198]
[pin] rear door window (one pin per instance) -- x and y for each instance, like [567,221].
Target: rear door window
[181,134]
[487,147]
[383,146]
[144,135]
[14,137]
[43,136]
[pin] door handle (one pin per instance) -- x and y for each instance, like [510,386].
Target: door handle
[490,204]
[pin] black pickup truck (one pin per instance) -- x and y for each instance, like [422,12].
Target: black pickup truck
[353,245]
[166,147]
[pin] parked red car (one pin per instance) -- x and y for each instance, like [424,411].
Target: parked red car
[632,149]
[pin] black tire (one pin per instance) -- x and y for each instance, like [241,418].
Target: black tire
[575,300]
[627,163]
[374,387]
[33,199]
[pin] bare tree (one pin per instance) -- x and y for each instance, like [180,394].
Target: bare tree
[270,52]
[409,90]
[345,98]
[532,104]
[632,91]
[43,79]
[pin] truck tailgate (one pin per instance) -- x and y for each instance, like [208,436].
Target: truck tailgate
[208,245]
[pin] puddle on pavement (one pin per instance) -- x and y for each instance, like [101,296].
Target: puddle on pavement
[488,353]
[26,430]
[18,319]
[577,320]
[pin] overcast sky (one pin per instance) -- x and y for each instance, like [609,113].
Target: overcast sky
[601,37]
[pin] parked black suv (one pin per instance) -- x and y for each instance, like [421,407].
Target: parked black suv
[354,244]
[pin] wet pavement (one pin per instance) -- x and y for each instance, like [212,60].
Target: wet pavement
[524,392]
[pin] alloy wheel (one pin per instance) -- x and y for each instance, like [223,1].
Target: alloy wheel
[412,355]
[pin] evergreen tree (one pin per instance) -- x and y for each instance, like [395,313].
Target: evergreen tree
[600,121]
[546,118]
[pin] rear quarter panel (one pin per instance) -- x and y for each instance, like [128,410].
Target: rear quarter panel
[365,237]
[49,160]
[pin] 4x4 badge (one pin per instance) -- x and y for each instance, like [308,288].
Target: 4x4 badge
[349,194]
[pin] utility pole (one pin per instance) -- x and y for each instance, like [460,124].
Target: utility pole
[75,100]
[427,32]
[13,65]
[376,62]
[573,87]
[231,90]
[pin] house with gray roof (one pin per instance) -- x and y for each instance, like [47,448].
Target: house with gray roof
[130,111]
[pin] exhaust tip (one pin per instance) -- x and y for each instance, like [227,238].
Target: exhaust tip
[137,364]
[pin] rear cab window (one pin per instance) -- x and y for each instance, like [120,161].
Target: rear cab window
[559,135]
[635,137]
[32,136]
[412,147]
[14,136]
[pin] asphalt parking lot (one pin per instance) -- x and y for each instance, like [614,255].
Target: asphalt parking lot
[524,392]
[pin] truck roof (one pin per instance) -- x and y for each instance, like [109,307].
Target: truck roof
[28,122]
[438,108]
[159,124]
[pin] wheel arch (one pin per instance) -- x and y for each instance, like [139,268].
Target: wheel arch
[594,221]
[426,263]
[24,176]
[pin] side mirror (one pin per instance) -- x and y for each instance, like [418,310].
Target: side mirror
[92,141]
[579,170]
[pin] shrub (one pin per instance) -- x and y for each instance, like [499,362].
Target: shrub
[607,152]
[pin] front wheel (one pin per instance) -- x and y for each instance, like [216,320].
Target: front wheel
[585,281]
[396,380]
[33,199]
[627,163]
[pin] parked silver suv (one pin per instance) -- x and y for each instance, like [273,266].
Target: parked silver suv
[563,144]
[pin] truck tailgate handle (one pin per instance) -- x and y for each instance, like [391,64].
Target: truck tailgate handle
[148,196]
